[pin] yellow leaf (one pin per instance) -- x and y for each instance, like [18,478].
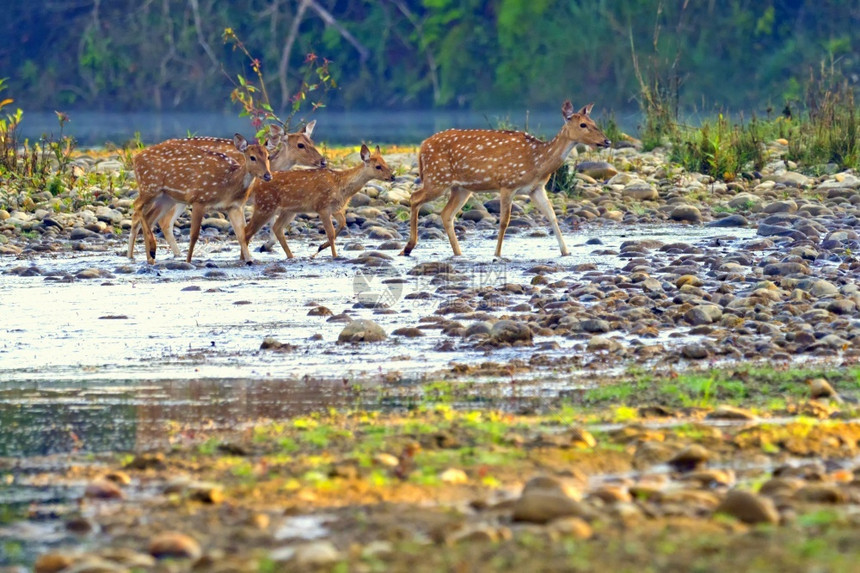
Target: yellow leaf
[6,101]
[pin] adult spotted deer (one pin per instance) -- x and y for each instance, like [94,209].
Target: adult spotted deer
[171,173]
[323,191]
[286,150]
[508,162]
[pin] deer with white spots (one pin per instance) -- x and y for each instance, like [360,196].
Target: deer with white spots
[464,161]
[325,192]
[286,150]
[171,173]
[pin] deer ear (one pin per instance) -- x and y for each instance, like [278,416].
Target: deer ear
[309,128]
[567,110]
[586,110]
[271,145]
[365,153]
[240,142]
[378,151]
[275,130]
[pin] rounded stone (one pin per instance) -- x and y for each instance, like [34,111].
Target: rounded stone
[686,213]
[174,545]
[748,507]
[362,330]
[511,331]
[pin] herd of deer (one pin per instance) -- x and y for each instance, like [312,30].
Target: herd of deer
[210,173]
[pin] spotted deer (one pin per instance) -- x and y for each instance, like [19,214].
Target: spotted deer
[325,192]
[286,150]
[464,161]
[169,173]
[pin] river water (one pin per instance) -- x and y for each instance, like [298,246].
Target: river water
[108,359]
[335,128]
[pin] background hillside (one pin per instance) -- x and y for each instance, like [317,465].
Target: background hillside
[419,54]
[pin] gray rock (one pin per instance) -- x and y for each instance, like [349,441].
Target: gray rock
[80,233]
[787,206]
[641,191]
[686,213]
[511,331]
[694,351]
[597,169]
[785,269]
[362,330]
[595,325]
[748,507]
[733,220]
[704,314]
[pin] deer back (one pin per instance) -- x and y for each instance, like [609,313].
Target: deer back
[479,159]
[197,174]
[301,191]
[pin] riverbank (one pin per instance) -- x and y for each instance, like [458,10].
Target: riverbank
[249,409]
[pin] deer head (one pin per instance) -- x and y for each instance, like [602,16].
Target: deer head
[579,126]
[289,149]
[256,157]
[375,165]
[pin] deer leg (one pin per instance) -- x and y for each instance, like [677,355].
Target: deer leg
[506,201]
[257,220]
[166,223]
[237,220]
[132,233]
[278,231]
[329,231]
[419,197]
[146,228]
[541,201]
[197,212]
[455,203]
[340,219]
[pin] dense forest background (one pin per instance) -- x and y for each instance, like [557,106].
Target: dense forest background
[418,54]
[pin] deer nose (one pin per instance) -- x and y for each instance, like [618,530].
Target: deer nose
[267,177]
[323,162]
[606,143]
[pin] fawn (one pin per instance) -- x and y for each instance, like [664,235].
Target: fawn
[286,150]
[323,191]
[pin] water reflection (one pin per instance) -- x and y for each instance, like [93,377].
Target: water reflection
[338,128]
[39,422]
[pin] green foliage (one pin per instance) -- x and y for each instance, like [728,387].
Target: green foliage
[563,180]
[254,97]
[828,130]
[420,53]
[721,149]
[27,168]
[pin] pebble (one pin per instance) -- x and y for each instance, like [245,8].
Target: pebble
[511,331]
[103,489]
[362,330]
[748,507]
[174,545]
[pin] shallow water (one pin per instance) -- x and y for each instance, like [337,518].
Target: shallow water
[143,326]
[105,364]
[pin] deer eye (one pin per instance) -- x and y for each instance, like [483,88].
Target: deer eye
[301,146]
[582,125]
[253,158]
[379,167]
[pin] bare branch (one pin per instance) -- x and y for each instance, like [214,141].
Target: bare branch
[198,25]
[288,48]
[326,16]
[431,61]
